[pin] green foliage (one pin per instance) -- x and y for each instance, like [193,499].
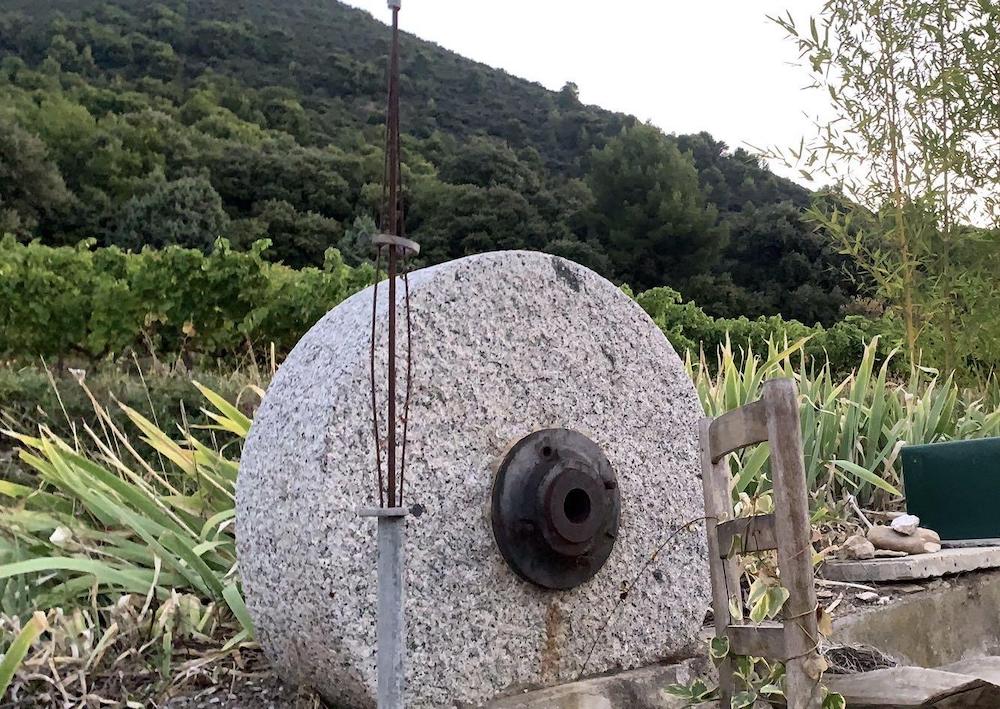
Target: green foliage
[307,235]
[175,516]
[59,301]
[695,693]
[32,395]
[18,648]
[142,124]
[690,329]
[31,188]
[649,210]
[853,426]
[779,260]
[185,212]
[913,165]
[143,516]
[459,220]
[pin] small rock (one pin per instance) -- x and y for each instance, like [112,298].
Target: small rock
[905,524]
[872,597]
[857,547]
[889,554]
[889,538]
[928,535]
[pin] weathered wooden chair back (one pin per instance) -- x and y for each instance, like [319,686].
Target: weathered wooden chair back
[775,419]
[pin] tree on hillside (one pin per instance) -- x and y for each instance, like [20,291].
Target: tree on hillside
[356,246]
[649,210]
[452,221]
[789,265]
[31,187]
[315,179]
[484,163]
[291,136]
[730,180]
[299,238]
[187,212]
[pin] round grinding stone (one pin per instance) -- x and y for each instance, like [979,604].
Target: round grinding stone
[504,344]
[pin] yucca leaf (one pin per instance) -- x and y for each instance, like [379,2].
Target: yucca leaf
[19,648]
[234,599]
[240,423]
[867,476]
[132,580]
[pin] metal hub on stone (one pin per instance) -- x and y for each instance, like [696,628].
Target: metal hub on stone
[555,508]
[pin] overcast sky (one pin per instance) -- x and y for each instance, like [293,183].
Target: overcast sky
[685,65]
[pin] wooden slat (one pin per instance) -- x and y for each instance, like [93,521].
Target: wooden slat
[793,532]
[765,640]
[724,572]
[745,535]
[737,429]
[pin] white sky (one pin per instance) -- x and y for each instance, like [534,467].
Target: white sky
[684,65]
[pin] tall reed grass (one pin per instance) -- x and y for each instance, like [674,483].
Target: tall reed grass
[853,427]
[133,529]
[142,523]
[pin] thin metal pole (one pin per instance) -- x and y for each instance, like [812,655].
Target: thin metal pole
[378,445]
[390,626]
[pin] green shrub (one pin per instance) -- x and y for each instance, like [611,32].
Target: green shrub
[853,425]
[141,515]
[60,301]
[65,301]
[690,329]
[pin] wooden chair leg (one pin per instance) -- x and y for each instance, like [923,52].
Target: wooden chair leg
[794,532]
[724,572]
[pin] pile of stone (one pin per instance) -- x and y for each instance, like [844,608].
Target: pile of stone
[901,537]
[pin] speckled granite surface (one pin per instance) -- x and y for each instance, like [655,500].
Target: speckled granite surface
[504,343]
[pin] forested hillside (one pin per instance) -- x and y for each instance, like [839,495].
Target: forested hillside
[139,123]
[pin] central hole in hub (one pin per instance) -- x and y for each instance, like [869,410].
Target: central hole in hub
[576,506]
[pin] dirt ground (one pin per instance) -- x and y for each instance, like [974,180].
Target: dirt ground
[264,691]
[252,686]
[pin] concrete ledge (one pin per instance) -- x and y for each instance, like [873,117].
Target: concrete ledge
[917,566]
[952,620]
[644,688]
[903,687]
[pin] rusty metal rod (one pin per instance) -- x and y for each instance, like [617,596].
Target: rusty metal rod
[375,432]
[409,383]
[394,160]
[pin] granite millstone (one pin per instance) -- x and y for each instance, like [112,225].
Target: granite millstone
[503,344]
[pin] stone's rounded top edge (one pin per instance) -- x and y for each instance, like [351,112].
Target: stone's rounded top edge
[574,274]
[527,257]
